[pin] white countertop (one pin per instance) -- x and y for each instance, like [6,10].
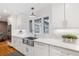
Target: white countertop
[55,42]
[20,36]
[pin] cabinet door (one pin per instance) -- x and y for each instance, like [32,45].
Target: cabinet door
[56,51]
[72,15]
[29,50]
[21,46]
[14,42]
[19,43]
[71,52]
[57,15]
[41,49]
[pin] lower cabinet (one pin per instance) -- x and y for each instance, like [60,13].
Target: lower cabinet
[14,42]
[58,51]
[41,49]
[17,43]
[21,46]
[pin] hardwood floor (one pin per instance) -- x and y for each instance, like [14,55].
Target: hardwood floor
[5,50]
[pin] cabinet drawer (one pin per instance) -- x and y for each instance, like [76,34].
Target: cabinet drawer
[40,44]
[57,51]
[71,53]
[67,52]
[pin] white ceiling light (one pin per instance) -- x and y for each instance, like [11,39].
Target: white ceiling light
[5,11]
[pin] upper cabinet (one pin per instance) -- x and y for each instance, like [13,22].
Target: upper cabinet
[72,15]
[57,15]
[65,15]
[21,21]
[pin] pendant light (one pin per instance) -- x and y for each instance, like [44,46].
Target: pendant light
[32,14]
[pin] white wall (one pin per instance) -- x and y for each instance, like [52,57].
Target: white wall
[57,15]
[57,18]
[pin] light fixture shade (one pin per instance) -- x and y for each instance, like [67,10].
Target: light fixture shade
[5,11]
[32,14]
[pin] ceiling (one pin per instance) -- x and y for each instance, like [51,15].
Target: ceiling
[17,8]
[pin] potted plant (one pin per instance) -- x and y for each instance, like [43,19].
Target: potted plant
[69,37]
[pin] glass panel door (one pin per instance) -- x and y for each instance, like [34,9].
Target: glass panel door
[46,24]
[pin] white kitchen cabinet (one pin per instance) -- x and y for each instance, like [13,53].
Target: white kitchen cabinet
[41,49]
[19,21]
[20,45]
[58,51]
[23,21]
[65,15]
[25,49]
[57,15]
[14,42]
[72,15]
[69,52]
[17,43]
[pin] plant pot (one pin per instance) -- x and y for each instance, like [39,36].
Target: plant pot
[69,40]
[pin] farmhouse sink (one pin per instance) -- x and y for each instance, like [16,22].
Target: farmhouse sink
[31,38]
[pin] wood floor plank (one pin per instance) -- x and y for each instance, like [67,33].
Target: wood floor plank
[5,49]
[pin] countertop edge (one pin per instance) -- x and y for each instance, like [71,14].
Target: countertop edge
[60,46]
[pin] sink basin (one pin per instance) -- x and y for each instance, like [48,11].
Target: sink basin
[31,38]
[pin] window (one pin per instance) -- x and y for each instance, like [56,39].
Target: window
[45,24]
[37,24]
